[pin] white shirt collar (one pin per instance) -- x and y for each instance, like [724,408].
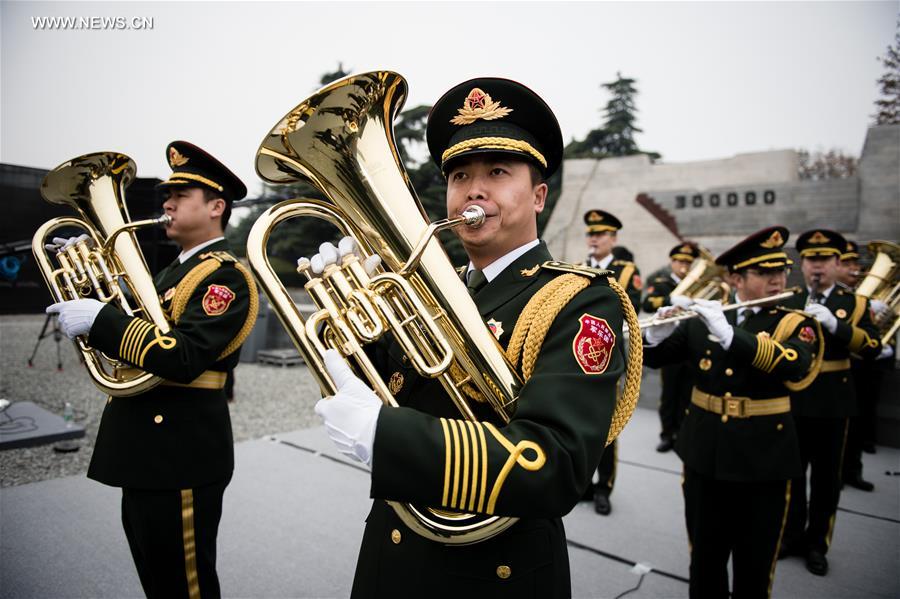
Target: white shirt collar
[825,292]
[183,256]
[738,300]
[601,264]
[492,270]
[675,277]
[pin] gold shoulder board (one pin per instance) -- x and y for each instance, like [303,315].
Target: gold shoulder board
[218,255]
[585,271]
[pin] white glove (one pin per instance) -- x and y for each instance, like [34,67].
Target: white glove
[350,416]
[887,351]
[713,317]
[681,301]
[328,254]
[76,317]
[659,333]
[823,315]
[60,243]
[880,308]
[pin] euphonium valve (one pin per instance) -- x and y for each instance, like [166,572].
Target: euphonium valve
[341,140]
[104,262]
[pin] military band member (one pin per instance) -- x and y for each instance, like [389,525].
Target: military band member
[676,378]
[822,409]
[602,235]
[170,449]
[497,142]
[738,441]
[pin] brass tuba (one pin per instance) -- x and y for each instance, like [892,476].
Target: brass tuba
[341,140]
[705,280]
[882,282]
[105,261]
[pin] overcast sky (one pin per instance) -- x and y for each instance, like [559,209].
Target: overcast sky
[714,79]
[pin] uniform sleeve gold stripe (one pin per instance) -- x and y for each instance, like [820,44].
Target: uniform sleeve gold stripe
[133,335]
[139,339]
[455,492]
[446,461]
[474,490]
[861,339]
[125,335]
[785,353]
[464,474]
[484,467]
[163,341]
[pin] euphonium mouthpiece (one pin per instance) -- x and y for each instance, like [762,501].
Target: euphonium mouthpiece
[474,216]
[165,219]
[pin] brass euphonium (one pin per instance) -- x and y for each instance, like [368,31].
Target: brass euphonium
[105,262]
[341,140]
[882,282]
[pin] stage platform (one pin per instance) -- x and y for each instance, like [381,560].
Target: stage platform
[294,515]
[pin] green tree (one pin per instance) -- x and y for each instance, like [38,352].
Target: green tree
[338,73]
[616,137]
[888,106]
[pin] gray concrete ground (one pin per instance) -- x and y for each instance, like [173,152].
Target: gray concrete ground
[295,510]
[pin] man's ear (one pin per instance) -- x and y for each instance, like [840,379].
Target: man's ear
[217,207]
[540,197]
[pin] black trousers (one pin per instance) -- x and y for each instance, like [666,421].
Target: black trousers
[743,520]
[810,524]
[606,471]
[867,377]
[172,536]
[674,398]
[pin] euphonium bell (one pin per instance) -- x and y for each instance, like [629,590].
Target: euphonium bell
[106,262]
[704,280]
[341,140]
[882,282]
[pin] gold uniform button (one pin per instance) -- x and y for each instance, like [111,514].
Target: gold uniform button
[709,352]
[158,419]
[779,427]
[844,379]
[728,372]
[396,537]
[504,572]
[728,394]
[724,417]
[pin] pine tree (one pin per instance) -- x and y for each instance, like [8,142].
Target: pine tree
[888,105]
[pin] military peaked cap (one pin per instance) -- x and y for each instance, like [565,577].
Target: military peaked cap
[763,249]
[193,167]
[598,221]
[493,115]
[851,252]
[821,242]
[687,252]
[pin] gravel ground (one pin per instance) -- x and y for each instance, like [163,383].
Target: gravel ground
[268,399]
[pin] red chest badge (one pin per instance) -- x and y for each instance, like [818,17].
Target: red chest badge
[593,344]
[217,300]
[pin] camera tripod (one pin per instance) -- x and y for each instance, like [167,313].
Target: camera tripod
[57,336]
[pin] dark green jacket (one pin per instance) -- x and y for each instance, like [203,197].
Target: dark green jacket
[173,437]
[561,410]
[758,448]
[832,394]
[628,276]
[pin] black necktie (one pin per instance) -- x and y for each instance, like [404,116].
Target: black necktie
[745,315]
[476,281]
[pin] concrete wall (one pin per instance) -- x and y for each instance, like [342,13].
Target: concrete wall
[879,173]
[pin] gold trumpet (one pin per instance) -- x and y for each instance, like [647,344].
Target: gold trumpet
[341,140]
[105,261]
[882,282]
[688,313]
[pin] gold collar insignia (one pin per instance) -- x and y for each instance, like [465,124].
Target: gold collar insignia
[479,105]
[176,158]
[530,272]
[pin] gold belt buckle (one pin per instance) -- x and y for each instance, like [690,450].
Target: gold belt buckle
[734,408]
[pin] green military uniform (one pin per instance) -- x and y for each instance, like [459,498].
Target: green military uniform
[676,378]
[537,465]
[738,441]
[560,427]
[822,409]
[628,276]
[171,448]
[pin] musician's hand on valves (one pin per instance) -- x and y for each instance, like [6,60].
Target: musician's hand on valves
[657,334]
[76,317]
[710,312]
[823,315]
[351,414]
[880,308]
[329,254]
